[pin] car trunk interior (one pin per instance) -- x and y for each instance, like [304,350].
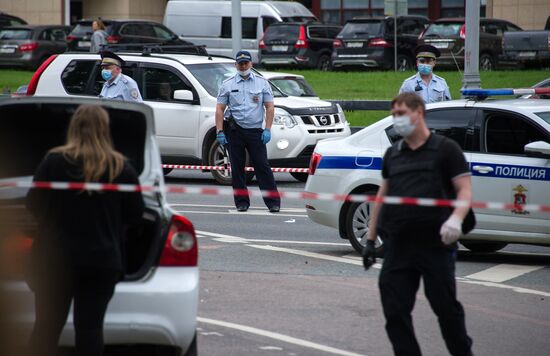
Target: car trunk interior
[28,131]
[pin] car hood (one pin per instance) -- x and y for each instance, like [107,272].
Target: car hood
[305,106]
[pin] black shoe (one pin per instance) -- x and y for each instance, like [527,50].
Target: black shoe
[274,209]
[242,208]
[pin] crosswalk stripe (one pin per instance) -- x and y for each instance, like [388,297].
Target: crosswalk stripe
[503,272]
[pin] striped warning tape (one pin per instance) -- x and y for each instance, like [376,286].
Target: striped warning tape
[222,168]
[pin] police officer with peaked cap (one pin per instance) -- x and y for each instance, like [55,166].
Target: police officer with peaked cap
[432,88]
[117,86]
[420,242]
[247,98]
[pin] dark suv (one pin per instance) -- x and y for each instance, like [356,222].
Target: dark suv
[368,42]
[299,44]
[125,33]
[448,36]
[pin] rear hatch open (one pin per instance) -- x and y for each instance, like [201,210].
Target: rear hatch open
[31,126]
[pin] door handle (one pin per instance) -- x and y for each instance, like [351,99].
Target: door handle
[483,169]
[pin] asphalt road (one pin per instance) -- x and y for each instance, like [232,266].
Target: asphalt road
[278,284]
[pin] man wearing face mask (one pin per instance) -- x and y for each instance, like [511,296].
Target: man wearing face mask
[247,97]
[117,86]
[420,242]
[430,87]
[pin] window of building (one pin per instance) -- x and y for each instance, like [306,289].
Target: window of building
[249,27]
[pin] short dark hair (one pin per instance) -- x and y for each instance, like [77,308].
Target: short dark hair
[411,100]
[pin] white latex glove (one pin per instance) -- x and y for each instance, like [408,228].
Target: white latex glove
[450,230]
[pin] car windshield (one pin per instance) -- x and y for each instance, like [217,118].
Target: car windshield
[212,75]
[443,29]
[361,28]
[19,34]
[293,86]
[282,32]
[544,115]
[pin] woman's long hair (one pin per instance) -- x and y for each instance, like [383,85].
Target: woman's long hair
[90,146]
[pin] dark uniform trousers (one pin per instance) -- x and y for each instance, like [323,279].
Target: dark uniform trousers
[404,265]
[241,140]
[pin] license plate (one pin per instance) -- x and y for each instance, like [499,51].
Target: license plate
[440,45]
[84,44]
[355,45]
[279,48]
[527,54]
[7,50]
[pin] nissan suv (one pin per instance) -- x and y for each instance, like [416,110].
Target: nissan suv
[182,91]
[369,42]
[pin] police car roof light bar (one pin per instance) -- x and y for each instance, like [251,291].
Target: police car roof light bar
[498,92]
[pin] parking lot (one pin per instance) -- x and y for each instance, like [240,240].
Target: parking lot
[280,284]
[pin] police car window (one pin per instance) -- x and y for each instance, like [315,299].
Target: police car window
[76,75]
[160,84]
[129,71]
[451,123]
[508,134]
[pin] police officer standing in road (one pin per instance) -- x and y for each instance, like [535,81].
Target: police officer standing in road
[245,95]
[430,87]
[420,241]
[117,86]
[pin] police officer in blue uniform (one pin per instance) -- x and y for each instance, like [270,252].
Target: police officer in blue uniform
[117,86]
[432,88]
[247,98]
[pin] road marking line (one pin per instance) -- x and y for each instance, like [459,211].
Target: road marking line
[504,286]
[271,348]
[503,272]
[277,336]
[235,212]
[236,239]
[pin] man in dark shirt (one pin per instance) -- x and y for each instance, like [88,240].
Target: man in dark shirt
[420,241]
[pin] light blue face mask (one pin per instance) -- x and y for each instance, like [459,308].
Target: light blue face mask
[424,69]
[106,74]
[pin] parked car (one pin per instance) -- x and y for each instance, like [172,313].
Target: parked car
[155,306]
[10,20]
[290,84]
[129,35]
[28,46]
[369,42]
[542,84]
[208,22]
[449,34]
[527,47]
[185,119]
[507,145]
[298,44]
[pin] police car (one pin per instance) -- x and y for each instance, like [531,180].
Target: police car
[507,145]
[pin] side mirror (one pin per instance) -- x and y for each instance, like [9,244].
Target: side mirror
[537,149]
[183,95]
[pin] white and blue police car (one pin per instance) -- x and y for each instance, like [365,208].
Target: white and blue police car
[506,143]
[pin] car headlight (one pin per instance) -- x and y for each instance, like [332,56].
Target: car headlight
[341,114]
[282,117]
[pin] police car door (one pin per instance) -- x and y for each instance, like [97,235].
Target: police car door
[503,172]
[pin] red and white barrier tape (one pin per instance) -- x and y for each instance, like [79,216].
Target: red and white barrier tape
[197,190]
[222,168]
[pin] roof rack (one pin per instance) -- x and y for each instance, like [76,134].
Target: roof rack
[482,94]
[148,48]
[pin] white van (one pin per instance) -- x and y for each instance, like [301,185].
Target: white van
[208,22]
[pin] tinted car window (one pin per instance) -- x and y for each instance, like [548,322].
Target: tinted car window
[163,33]
[508,134]
[15,34]
[268,21]
[249,27]
[491,28]
[317,32]
[282,32]
[511,27]
[160,84]
[82,29]
[361,28]
[452,124]
[410,27]
[128,70]
[332,32]
[76,75]
[59,34]
[46,35]
[443,29]
[138,29]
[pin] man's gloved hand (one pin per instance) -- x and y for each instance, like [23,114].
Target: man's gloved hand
[369,254]
[221,138]
[266,136]
[450,230]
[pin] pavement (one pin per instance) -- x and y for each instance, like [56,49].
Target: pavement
[279,284]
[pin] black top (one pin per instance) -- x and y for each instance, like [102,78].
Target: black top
[81,228]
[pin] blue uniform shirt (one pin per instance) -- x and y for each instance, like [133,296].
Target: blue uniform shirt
[436,90]
[246,98]
[122,88]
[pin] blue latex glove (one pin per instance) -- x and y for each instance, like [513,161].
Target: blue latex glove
[221,139]
[266,136]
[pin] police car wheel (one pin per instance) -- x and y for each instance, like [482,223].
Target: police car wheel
[475,246]
[357,226]
[217,157]
[302,177]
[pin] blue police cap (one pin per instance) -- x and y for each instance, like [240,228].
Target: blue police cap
[243,56]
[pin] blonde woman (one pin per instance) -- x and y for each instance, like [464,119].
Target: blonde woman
[99,37]
[78,255]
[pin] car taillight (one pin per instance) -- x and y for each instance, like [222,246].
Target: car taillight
[181,247]
[262,43]
[302,40]
[113,39]
[31,89]
[337,43]
[71,38]
[462,33]
[379,42]
[28,47]
[314,162]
